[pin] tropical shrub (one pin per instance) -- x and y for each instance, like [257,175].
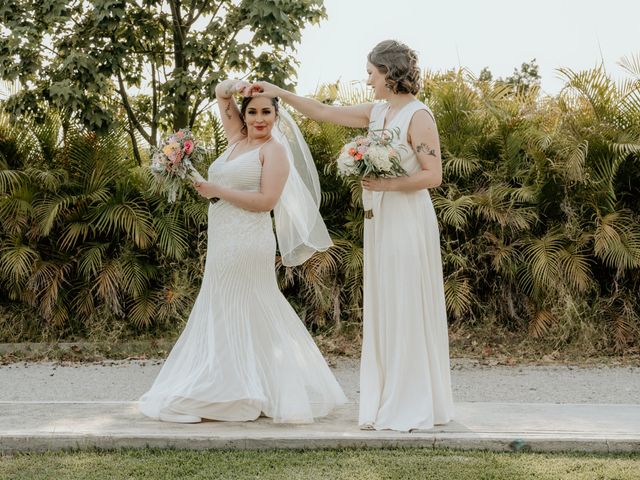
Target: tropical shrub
[85,238]
[538,217]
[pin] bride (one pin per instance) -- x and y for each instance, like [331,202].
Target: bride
[244,352]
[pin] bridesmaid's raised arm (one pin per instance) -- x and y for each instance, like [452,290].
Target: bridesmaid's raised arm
[356,116]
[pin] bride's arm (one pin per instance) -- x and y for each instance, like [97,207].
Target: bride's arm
[356,116]
[423,137]
[229,112]
[275,169]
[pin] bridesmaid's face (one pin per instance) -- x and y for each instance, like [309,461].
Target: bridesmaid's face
[376,80]
[260,116]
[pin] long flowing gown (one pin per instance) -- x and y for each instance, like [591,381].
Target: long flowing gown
[405,379]
[244,351]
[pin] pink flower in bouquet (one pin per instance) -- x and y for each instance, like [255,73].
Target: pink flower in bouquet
[179,134]
[188,147]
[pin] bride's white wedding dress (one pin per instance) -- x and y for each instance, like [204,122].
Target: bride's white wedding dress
[404,375]
[244,352]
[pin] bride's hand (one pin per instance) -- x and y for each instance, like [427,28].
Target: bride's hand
[206,189]
[377,184]
[243,88]
[265,89]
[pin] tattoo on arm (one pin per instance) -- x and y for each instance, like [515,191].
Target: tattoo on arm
[227,110]
[424,148]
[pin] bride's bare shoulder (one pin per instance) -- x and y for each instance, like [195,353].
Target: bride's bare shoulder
[273,149]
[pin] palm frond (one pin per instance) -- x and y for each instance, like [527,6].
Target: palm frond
[573,166]
[495,205]
[47,281]
[505,257]
[143,309]
[10,179]
[453,212]
[541,322]
[631,64]
[542,256]
[617,241]
[90,259]
[136,274]
[458,294]
[127,217]
[172,237]
[574,265]
[107,285]
[17,260]
[73,234]
[595,87]
[459,166]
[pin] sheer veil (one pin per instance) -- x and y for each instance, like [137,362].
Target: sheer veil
[299,227]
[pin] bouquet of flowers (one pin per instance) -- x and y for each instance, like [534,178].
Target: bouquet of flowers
[371,155]
[171,162]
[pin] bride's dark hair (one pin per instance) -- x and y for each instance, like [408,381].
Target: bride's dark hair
[245,103]
[399,64]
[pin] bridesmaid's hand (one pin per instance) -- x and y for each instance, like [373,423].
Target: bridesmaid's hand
[377,184]
[265,89]
[206,189]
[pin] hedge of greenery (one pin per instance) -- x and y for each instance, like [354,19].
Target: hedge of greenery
[538,219]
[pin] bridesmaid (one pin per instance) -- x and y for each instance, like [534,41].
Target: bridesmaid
[405,380]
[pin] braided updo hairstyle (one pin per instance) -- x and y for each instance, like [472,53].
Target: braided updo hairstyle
[399,64]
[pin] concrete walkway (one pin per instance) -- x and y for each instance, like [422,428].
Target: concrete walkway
[487,426]
[59,414]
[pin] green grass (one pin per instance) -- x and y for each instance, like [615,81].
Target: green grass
[363,464]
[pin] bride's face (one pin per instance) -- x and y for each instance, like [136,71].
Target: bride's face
[376,80]
[260,117]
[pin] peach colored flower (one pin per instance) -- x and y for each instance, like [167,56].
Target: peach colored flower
[170,149]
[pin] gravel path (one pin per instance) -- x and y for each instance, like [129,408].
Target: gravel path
[127,380]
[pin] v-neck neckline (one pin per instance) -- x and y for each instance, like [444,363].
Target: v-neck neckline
[386,121]
[228,160]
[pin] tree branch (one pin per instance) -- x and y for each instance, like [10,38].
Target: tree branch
[154,104]
[134,143]
[194,18]
[199,98]
[177,21]
[130,113]
[194,113]
[214,14]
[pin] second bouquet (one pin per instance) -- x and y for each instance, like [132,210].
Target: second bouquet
[371,155]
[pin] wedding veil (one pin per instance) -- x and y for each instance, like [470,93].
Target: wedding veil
[299,227]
